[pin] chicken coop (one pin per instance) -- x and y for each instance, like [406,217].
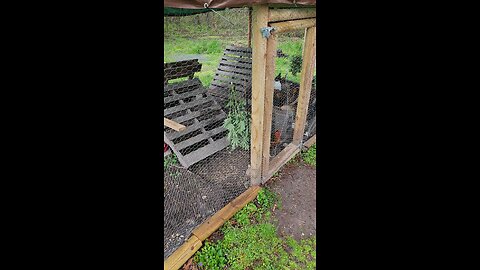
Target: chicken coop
[225,138]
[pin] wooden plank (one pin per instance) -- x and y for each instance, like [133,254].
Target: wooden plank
[199,138]
[305,84]
[206,151]
[269,84]
[182,254]
[228,75]
[187,94]
[288,26]
[243,71]
[244,66]
[181,86]
[310,141]
[281,159]
[238,49]
[218,219]
[187,105]
[276,15]
[188,116]
[226,83]
[237,59]
[259,51]
[173,125]
[174,135]
[246,197]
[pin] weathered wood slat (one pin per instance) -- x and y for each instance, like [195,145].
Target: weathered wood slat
[188,94]
[188,116]
[239,49]
[193,83]
[246,66]
[226,82]
[219,73]
[204,136]
[173,125]
[174,134]
[187,105]
[245,71]
[206,151]
[237,59]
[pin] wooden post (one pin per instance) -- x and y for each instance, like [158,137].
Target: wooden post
[260,19]
[249,27]
[269,84]
[305,84]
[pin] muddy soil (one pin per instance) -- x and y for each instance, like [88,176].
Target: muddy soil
[296,186]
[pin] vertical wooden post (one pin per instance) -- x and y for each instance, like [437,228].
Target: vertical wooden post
[249,27]
[305,84]
[269,84]
[260,19]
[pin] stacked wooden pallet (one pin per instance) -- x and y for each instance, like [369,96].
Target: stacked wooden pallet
[189,104]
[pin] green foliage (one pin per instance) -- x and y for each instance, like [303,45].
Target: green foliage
[169,161]
[237,122]
[266,199]
[256,245]
[310,156]
[296,64]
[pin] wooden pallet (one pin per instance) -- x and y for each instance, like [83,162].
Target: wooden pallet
[189,104]
[235,68]
[175,70]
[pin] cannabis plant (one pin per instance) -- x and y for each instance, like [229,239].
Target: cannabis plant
[237,122]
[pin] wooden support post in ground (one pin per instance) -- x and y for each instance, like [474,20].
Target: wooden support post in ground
[249,27]
[308,65]
[260,20]
[269,84]
[291,14]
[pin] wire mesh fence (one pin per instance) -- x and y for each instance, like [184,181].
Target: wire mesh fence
[207,161]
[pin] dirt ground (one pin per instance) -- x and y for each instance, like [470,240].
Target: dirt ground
[296,186]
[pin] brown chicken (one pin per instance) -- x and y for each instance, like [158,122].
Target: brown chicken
[277,137]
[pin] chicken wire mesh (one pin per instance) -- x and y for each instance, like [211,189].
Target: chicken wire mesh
[205,168]
[206,163]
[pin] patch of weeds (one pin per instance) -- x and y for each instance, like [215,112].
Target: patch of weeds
[169,161]
[256,245]
[310,156]
[212,256]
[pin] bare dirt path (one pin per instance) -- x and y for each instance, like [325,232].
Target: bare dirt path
[296,186]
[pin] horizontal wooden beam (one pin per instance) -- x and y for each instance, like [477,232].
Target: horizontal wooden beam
[173,125]
[182,254]
[202,232]
[281,159]
[310,141]
[288,26]
[212,224]
[276,15]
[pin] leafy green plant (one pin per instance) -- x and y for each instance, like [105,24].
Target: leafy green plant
[310,156]
[295,64]
[169,161]
[256,245]
[237,122]
[211,257]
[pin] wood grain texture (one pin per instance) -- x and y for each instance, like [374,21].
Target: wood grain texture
[288,26]
[173,125]
[259,50]
[306,79]
[276,15]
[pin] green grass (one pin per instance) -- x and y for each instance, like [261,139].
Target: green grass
[310,156]
[169,161]
[212,48]
[250,241]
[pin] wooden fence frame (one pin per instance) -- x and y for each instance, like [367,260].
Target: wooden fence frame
[264,47]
